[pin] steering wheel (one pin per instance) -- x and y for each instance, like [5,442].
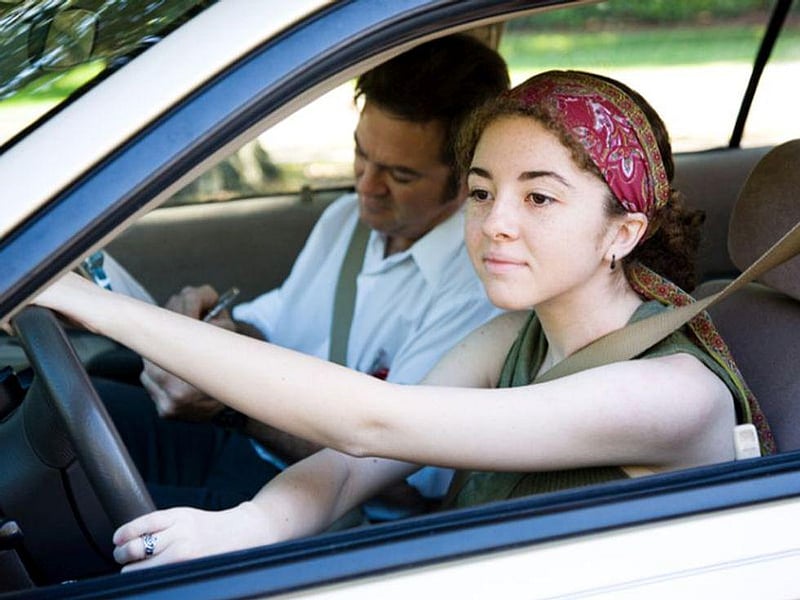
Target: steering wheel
[61,419]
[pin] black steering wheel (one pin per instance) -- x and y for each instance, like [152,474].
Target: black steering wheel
[60,420]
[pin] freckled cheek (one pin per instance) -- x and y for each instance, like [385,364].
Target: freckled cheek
[473,238]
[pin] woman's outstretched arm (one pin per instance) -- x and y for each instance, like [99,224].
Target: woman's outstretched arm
[667,411]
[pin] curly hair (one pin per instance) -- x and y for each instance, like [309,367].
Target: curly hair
[672,247]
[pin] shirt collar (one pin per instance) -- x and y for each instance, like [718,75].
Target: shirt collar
[432,253]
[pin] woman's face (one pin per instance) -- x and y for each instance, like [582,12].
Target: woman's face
[536,228]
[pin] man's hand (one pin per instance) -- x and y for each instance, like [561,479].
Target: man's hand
[176,399]
[173,397]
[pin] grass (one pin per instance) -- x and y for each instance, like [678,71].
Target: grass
[679,46]
[56,86]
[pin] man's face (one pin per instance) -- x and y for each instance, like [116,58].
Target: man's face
[401,181]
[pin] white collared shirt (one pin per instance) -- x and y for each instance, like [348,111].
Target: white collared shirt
[411,307]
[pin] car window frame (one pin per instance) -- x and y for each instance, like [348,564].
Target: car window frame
[131,183]
[395,547]
[774,27]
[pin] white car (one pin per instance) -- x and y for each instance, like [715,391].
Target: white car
[110,109]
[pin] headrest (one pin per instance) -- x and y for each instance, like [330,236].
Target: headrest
[768,207]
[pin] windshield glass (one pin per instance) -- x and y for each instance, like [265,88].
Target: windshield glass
[53,50]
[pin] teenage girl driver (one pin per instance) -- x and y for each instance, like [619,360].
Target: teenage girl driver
[571,225]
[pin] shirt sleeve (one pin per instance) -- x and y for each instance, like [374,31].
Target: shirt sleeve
[275,307]
[447,322]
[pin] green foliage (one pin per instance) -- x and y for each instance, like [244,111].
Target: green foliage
[531,51]
[639,12]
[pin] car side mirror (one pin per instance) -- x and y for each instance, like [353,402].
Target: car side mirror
[65,41]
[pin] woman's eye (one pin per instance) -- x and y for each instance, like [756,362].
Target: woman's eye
[539,199]
[479,195]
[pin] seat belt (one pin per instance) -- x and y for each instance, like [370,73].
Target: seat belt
[633,339]
[406,500]
[343,306]
[344,301]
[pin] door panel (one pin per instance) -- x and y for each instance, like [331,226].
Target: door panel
[250,244]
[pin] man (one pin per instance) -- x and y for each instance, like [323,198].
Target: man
[415,292]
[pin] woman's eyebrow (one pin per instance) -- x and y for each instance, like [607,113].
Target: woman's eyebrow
[527,175]
[524,176]
[479,172]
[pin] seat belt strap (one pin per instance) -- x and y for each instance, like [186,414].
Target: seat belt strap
[633,339]
[344,301]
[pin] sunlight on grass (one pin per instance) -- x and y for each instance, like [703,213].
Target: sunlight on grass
[54,87]
[643,47]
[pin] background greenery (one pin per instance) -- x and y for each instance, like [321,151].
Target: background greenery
[644,12]
[652,33]
[533,49]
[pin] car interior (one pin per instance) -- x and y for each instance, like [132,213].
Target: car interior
[765,349]
[748,196]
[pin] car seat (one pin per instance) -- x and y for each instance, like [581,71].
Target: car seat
[761,322]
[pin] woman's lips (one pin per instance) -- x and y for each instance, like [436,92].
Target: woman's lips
[498,264]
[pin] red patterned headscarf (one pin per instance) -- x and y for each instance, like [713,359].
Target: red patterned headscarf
[611,127]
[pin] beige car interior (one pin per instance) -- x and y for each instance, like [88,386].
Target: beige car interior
[761,323]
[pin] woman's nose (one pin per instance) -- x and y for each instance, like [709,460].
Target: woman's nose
[501,220]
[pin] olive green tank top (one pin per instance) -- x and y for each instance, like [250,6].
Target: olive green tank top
[521,367]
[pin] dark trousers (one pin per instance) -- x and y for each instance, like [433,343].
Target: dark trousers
[184,464]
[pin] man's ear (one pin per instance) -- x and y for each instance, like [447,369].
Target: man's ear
[630,228]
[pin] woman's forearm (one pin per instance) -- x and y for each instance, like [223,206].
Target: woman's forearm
[305,499]
[308,397]
[313,399]
[302,500]
[312,494]
[540,427]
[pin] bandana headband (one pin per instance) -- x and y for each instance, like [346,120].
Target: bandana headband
[612,129]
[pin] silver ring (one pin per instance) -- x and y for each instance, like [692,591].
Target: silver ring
[149,540]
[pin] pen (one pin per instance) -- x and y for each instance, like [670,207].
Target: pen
[92,268]
[224,301]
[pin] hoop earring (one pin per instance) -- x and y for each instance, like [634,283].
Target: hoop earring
[613,261]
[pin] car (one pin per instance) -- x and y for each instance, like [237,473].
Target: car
[110,112]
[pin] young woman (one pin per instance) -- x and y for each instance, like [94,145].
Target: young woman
[569,200]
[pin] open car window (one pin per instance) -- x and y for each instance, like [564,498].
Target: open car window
[692,59]
[692,62]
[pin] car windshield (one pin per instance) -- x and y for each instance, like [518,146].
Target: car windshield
[53,50]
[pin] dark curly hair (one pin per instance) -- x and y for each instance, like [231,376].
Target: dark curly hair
[671,248]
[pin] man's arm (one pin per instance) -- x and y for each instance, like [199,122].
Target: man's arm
[288,447]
